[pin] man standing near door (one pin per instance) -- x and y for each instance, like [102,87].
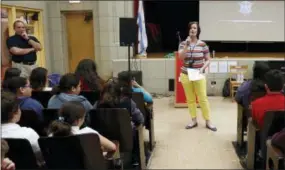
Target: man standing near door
[23,49]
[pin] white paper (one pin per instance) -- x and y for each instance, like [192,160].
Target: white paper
[213,67]
[232,63]
[223,66]
[194,74]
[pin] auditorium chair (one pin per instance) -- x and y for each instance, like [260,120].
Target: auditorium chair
[234,71]
[49,116]
[91,96]
[42,96]
[275,158]
[241,128]
[148,115]
[73,152]
[21,153]
[115,124]
[29,118]
[274,121]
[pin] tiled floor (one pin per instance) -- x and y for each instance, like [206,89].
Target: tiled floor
[198,148]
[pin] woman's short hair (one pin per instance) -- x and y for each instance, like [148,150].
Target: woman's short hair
[38,78]
[198,27]
[9,106]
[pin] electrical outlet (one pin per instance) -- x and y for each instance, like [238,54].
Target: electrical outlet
[213,82]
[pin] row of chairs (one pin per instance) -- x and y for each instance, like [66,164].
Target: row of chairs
[92,96]
[30,119]
[72,152]
[272,158]
[83,151]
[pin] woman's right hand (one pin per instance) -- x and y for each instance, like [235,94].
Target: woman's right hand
[187,42]
[135,84]
[184,50]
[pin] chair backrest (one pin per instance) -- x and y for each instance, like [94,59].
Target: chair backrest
[73,152]
[21,153]
[29,118]
[42,96]
[234,71]
[238,69]
[115,124]
[274,121]
[138,99]
[91,96]
[49,116]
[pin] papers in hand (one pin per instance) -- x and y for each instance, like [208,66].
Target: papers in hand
[194,74]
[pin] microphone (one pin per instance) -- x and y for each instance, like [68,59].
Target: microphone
[178,36]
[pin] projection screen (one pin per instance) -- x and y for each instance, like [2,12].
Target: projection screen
[242,20]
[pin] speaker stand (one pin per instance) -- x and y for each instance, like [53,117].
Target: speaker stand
[129,60]
[129,63]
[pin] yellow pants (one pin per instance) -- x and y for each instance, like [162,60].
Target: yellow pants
[193,89]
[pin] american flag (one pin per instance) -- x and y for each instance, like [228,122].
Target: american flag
[142,37]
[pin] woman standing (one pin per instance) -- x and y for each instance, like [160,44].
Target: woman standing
[195,55]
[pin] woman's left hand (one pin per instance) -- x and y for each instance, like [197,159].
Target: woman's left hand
[201,70]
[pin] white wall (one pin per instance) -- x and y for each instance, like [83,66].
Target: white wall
[37,5]
[106,16]
[157,72]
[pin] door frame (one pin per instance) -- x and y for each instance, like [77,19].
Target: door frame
[65,42]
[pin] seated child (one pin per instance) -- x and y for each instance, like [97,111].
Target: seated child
[71,118]
[10,115]
[21,87]
[273,100]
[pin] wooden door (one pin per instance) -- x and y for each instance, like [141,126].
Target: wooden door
[80,38]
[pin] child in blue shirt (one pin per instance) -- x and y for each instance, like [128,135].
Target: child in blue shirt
[124,78]
[21,87]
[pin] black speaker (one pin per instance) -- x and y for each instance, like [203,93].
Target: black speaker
[128,28]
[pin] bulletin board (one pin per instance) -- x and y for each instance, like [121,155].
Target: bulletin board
[180,99]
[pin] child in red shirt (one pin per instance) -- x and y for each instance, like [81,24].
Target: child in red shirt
[273,100]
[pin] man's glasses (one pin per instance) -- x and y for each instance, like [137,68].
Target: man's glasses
[26,86]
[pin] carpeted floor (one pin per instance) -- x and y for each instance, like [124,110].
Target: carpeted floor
[198,148]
